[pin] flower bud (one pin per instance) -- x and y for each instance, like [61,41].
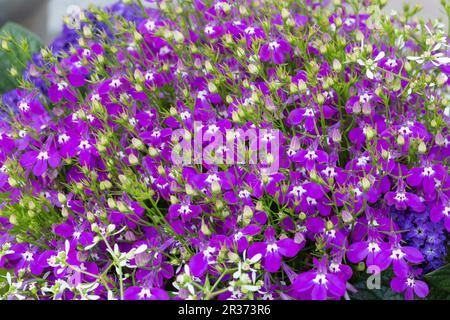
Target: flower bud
[240,53]
[302,87]
[137,144]
[173,199]
[219,205]
[329,225]
[153,152]
[337,66]
[87,31]
[336,135]
[205,230]
[247,213]
[31,205]
[346,216]
[208,66]
[401,140]
[370,132]
[13,219]
[133,159]
[137,36]
[13,182]
[122,207]
[253,69]
[62,198]
[215,187]
[440,140]
[361,266]
[422,148]
[178,36]
[299,237]
[5,45]
[212,87]
[112,203]
[365,183]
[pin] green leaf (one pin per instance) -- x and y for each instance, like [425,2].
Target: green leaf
[439,282]
[22,44]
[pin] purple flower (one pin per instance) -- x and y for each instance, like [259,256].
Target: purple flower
[400,257]
[319,283]
[38,160]
[275,51]
[145,293]
[402,199]
[273,251]
[410,285]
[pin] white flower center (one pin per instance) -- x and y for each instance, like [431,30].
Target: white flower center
[115,83]
[243,194]
[405,131]
[397,254]
[27,256]
[212,178]
[238,236]
[311,155]
[184,209]
[400,196]
[62,85]
[320,279]
[24,106]
[63,138]
[274,45]
[272,248]
[150,25]
[428,171]
[410,282]
[362,161]
[374,247]
[84,144]
[145,294]
[250,30]
[43,155]
[298,191]
[209,30]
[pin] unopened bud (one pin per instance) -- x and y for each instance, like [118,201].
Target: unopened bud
[205,230]
[247,213]
[337,66]
[215,187]
[62,198]
[133,159]
[422,148]
[365,183]
[401,140]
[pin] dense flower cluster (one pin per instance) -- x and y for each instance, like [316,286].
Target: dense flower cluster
[351,103]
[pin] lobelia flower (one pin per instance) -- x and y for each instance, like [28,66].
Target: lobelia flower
[198,264]
[399,256]
[319,283]
[440,211]
[275,51]
[145,293]
[38,160]
[273,251]
[410,285]
[426,177]
[239,239]
[402,199]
